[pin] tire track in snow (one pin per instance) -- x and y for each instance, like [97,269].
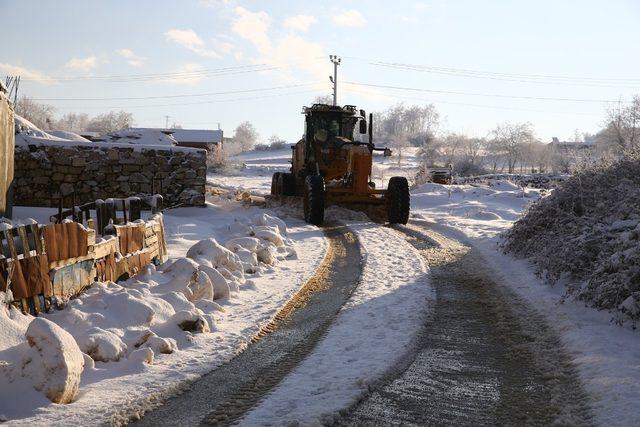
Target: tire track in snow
[374,331]
[225,394]
[485,356]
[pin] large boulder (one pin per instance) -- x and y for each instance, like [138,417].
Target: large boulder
[54,362]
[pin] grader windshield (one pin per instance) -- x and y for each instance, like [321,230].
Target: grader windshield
[323,126]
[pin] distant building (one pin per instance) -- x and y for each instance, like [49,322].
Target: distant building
[589,142]
[210,140]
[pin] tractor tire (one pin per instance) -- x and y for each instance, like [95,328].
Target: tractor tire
[288,184]
[313,199]
[398,200]
[276,184]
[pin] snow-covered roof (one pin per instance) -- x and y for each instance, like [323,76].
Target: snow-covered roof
[142,136]
[71,136]
[197,136]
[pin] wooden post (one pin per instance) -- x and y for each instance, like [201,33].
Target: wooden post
[60,209]
[135,206]
[124,210]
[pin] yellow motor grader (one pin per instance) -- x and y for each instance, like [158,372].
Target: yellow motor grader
[330,167]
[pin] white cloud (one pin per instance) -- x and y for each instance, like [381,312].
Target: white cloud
[254,27]
[189,74]
[349,18]
[25,73]
[299,22]
[132,59]
[82,64]
[421,6]
[189,39]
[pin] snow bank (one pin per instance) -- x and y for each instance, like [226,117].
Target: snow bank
[586,235]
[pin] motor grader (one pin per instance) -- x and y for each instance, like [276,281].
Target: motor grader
[330,167]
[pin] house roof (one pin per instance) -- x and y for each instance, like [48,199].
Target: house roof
[198,136]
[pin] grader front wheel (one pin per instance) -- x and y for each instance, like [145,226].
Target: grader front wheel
[313,199]
[398,200]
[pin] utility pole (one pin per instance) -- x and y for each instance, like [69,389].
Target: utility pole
[336,61]
[166,122]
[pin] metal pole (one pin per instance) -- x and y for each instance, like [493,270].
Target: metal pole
[336,61]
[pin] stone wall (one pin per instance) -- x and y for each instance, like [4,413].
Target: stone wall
[6,154]
[44,171]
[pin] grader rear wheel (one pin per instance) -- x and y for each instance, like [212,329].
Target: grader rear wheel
[276,184]
[313,199]
[398,200]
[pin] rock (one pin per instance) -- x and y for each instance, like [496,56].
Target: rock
[190,321]
[221,288]
[54,361]
[102,345]
[161,345]
[217,255]
[201,287]
[141,356]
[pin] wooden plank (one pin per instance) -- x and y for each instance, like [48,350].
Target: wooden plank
[105,247]
[37,237]
[22,233]
[72,279]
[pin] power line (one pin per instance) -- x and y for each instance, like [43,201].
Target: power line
[214,101]
[450,92]
[189,95]
[435,101]
[498,75]
[212,72]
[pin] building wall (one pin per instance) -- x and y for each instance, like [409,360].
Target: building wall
[6,154]
[93,171]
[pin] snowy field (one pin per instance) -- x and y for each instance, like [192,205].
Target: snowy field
[122,313]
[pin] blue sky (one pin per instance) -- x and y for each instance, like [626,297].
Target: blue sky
[466,51]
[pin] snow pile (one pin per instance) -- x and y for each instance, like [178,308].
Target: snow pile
[482,210]
[71,136]
[586,235]
[28,133]
[122,327]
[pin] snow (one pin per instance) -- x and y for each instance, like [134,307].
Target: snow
[142,136]
[373,331]
[67,135]
[54,362]
[145,337]
[606,355]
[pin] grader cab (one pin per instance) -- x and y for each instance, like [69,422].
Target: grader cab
[330,167]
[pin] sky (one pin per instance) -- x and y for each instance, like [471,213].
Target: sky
[556,64]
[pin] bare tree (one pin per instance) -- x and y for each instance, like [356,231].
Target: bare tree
[623,125]
[73,122]
[323,99]
[39,114]
[509,138]
[245,136]
[110,122]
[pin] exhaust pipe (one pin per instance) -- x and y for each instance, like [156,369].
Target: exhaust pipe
[371,129]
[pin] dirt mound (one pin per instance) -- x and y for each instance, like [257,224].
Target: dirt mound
[586,235]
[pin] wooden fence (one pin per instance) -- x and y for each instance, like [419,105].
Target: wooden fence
[38,262]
